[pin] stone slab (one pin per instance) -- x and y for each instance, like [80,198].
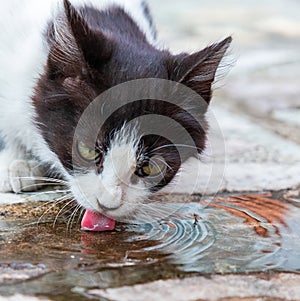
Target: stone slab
[211,288]
[255,159]
[20,297]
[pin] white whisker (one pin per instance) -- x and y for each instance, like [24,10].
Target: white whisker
[169,145]
[165,163]
[82,210]
[40,185]
[55,203]
[37,194]
[72,217]
[154,212]
[46,179]
[61,210]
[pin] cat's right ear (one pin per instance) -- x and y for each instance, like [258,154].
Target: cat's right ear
[95,46]
[198,70]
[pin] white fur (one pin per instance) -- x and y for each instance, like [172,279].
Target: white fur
[23,55]
[132,7]
[112,188]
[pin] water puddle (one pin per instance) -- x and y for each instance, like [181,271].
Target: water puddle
[230,234]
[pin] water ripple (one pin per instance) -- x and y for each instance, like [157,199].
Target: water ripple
[237,234]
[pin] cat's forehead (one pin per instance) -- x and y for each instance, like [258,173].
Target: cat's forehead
[130,63]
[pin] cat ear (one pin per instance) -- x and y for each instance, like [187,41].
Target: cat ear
[198,70]
[95,46]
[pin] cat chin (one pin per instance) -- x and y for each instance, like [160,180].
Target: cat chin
[125,213]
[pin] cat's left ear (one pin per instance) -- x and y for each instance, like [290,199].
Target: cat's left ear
[197,71]
[95,46]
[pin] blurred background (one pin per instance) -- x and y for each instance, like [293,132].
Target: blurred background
[257,104]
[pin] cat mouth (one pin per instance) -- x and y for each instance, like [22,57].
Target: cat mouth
[97,222]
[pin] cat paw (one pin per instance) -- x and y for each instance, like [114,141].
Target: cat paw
[21,175]
[5,185]
[25,176]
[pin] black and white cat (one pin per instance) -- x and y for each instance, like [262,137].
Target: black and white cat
[56,57]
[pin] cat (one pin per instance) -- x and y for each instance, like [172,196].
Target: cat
[56,57]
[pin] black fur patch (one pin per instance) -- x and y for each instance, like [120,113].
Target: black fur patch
[107,48]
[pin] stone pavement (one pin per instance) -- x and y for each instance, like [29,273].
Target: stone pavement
[227,288]
[257,105]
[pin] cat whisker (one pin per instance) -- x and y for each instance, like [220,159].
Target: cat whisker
[80,215]
[170,145]
[40,185]
[78,169]
[53,205]
[61,210]
[54,96]
[36,194]
[154,212]
[165,163]
[81,212]
[157,166]
[69,213]
[46,179]
[54,202]
[48,182]
[72,217]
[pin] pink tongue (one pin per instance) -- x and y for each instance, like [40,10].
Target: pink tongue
[94,221]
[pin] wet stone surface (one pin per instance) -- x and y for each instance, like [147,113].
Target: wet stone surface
[229,234]
[14,273]
[280,287]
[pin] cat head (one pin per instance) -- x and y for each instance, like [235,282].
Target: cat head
[119,169]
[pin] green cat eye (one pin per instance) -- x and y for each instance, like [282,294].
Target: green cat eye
[87,153]
[153,168]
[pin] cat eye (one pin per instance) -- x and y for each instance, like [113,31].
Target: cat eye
[87,153]
[154,167]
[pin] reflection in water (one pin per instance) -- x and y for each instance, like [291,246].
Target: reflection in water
[234,234]
[257,211]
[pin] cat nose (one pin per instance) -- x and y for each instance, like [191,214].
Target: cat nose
[112,200]
[108,208]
